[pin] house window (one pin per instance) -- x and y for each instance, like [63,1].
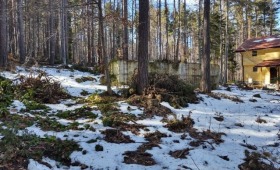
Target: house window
[254,53]
[255,69]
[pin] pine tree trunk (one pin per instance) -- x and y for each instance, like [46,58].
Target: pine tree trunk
[143,34]
[185,31]
[226,46]
[21,32]
[3,34]
[89,44]
[174,31]
[103,48]
[132,30]
[93,58]
[52,34]
[205,62]
[179,31]
[199,44]
[166,30]
[256,20]
[271,17]
[63,20]
[125,31]
[221,44]
[160,44]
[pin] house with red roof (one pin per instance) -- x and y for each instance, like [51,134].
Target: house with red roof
[261,61]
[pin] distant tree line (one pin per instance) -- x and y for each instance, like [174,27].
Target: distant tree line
[87,32]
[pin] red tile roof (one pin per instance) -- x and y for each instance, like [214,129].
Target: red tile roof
[269,63]
[260,43]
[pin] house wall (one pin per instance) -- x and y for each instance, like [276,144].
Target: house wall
[262,76]
[189,72]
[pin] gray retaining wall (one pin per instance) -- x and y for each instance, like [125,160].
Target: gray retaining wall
[189,72]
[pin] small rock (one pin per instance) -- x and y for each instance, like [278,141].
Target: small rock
[257,95]
[224,157]
[219,118]
[98,148]
[176,141]
[252,100]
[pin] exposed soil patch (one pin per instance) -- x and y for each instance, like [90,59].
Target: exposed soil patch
[116,118]
[254,161]
[136,100]
[155,137]
[221,95]
[157,110]
[180,153]
[133,128]
[17,121]
[206,135]
[49,124]
[141,158]
[83,68]
[195,143]
[16,150]
[84,79]
[249,146]
[83,112]
[147,146]
[77,163]
[216,137]
[116,136]
[152,106]
[20,163]
[180,126]
[260,120]
[153,141]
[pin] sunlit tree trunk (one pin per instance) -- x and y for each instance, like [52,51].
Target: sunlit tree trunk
[185,31]
[160,43]
[89,39]
[205,60]
[226,46]
[179,31]
[221,43]
[199,44]
[174,31]
[103,48]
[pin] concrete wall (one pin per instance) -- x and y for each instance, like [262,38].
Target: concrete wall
[189,72]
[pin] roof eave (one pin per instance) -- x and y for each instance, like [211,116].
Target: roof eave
[251,49]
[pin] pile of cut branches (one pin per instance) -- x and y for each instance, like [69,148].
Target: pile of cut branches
[169,88]
[41,88]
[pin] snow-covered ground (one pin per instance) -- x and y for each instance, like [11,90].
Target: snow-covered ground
[239,125]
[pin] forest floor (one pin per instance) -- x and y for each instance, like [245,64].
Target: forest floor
[230,128]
